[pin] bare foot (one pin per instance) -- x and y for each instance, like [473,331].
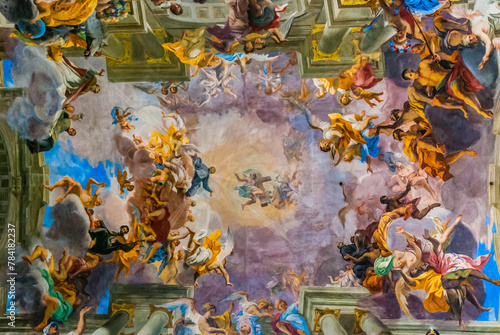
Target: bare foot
[482,310]
[486,113]
[462,325]
[471,153]
[50,188]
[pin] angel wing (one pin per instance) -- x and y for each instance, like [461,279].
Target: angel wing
[227,247]
[172,103]
[185,306]
[149,89]
[120,175]
[402,291]
[314,121]
[241,297]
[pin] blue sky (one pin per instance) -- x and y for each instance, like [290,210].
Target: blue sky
[7,64]
[65,163]
[490,270]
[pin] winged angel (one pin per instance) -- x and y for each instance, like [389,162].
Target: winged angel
[209,256]
[204,324]
[447,283]
[246,319]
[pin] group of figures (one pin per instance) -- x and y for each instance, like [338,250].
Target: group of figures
[163,178]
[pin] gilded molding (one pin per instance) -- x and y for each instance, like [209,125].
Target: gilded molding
[320,314]
[153,309]
[359,314]
[319,56]
[126,308]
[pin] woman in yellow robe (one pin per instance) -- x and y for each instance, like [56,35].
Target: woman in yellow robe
[61,12]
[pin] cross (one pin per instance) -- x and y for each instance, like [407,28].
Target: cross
[259,183]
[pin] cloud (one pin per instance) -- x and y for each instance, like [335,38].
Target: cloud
[70,226]
[32,114]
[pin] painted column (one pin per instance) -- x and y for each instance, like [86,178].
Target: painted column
[330,325]
[380,33]
[331,39]
[114,325]
[369,323]
[155,325]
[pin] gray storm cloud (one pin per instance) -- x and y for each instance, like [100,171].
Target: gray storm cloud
[32,114]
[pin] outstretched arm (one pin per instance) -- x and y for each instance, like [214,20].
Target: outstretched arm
[81,323]
[238,177]
[178,237]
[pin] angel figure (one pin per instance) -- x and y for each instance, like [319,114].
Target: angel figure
[362,151]
[190,49]
[125,184]
[286,191]
[249,307]
[338,134]
[246,319]
[164,88]
[88,199]
[408,174]
[292,280]
[215,82]
[164,251]
[211,256]
[123,118]
[205,324]
[169,143]
[447,284]
[288,320]
[345,278]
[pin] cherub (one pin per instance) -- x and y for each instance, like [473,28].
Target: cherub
[205,324]
[123,119]
[360,94]
[211,256]
[85,195]
[124,183]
